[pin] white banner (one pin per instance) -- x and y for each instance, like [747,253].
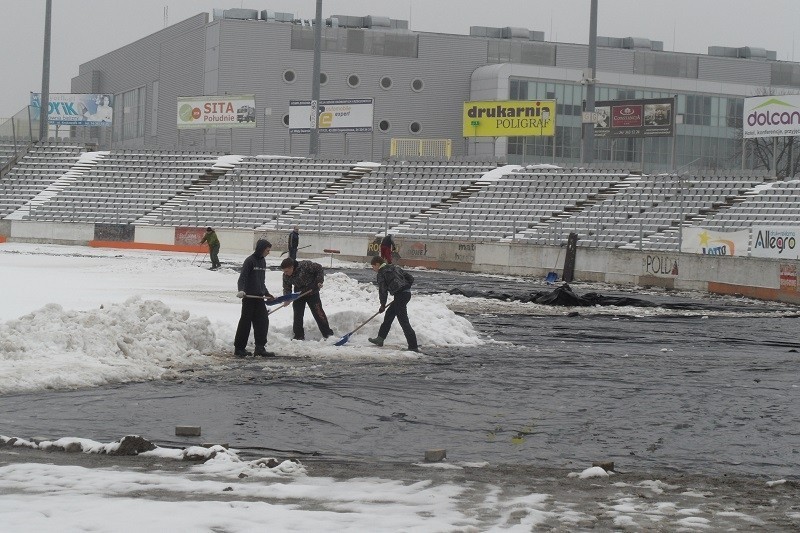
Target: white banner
[778,242]
[217,111]
[710,242]
[771,116]
[68,109]
[335,116]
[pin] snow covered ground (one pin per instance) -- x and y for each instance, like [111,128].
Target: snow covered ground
[74,317]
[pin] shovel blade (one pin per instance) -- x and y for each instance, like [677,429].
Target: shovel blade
[343,340]
[552,277]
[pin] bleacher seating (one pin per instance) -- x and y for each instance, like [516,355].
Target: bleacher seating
[464,200]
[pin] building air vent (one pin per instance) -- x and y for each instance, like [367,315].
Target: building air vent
[277,16]
[240,14]
[506,33]
[371,21]
[744,52]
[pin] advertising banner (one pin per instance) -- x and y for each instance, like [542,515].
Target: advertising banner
[68,109]
[335,116]
[217,111]
[771,116]
[778,242]
[634,118]
[509,118]
[710,242]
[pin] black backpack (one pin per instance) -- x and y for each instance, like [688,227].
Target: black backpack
[396,279]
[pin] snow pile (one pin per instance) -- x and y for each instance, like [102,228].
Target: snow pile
[135,340]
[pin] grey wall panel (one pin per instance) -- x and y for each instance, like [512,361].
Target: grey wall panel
[734,70]
[608,59]
[181,74]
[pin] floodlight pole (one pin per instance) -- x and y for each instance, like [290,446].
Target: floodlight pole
[44,99]
[313,146]
[587,154]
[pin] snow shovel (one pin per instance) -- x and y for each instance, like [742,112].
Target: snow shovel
[294,296]
[552,276]
[343,340]
[287,251]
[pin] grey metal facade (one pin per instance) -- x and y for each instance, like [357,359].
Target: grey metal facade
[229,56]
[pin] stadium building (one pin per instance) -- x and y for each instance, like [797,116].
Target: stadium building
[419,82]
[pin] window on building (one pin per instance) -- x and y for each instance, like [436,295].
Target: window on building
[129,114]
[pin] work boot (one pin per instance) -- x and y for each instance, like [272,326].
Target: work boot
[414,349]
[241,352]
[262,351]
[377,341]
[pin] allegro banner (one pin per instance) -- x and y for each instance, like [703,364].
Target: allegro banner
[217,111]
[777,242]
[771,116]
[509,118]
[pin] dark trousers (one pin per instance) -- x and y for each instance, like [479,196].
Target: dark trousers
[315,304]
[399,309]
[293,253]
[254,312]
[213,251]
[386,253]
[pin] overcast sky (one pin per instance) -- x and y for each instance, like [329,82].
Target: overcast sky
[85,29]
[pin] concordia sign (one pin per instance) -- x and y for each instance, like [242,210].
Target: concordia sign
[217,111]
[525,118]
[335,116]
[771,116]
[634,118]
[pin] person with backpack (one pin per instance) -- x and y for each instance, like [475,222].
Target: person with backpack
[305,276]
[253,292]
[395,281]
[211,238]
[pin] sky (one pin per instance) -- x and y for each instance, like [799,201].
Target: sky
[82,317]
[85,29]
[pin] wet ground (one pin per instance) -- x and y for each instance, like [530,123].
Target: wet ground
[712,395]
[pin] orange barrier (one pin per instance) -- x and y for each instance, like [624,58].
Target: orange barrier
[196,248]
[2,239]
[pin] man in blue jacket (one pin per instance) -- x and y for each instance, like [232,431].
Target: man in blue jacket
[253,292]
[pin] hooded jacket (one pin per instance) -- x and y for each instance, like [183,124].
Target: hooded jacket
[294,239]
[251,278]
[307,275]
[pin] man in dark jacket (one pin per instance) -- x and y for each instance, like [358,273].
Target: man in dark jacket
[387,247]
[305,276]
[395,281]
[211,238]
[294,242]
[253,292]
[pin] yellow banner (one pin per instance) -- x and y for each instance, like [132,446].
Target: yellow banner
[524,118]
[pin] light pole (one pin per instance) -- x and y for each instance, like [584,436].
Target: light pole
[387,184]
[313,146]
[44,98]
[587,152]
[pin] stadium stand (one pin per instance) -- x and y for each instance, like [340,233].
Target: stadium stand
[464,200]
[33,173]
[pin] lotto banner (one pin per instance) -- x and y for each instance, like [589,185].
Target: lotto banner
[710,242]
